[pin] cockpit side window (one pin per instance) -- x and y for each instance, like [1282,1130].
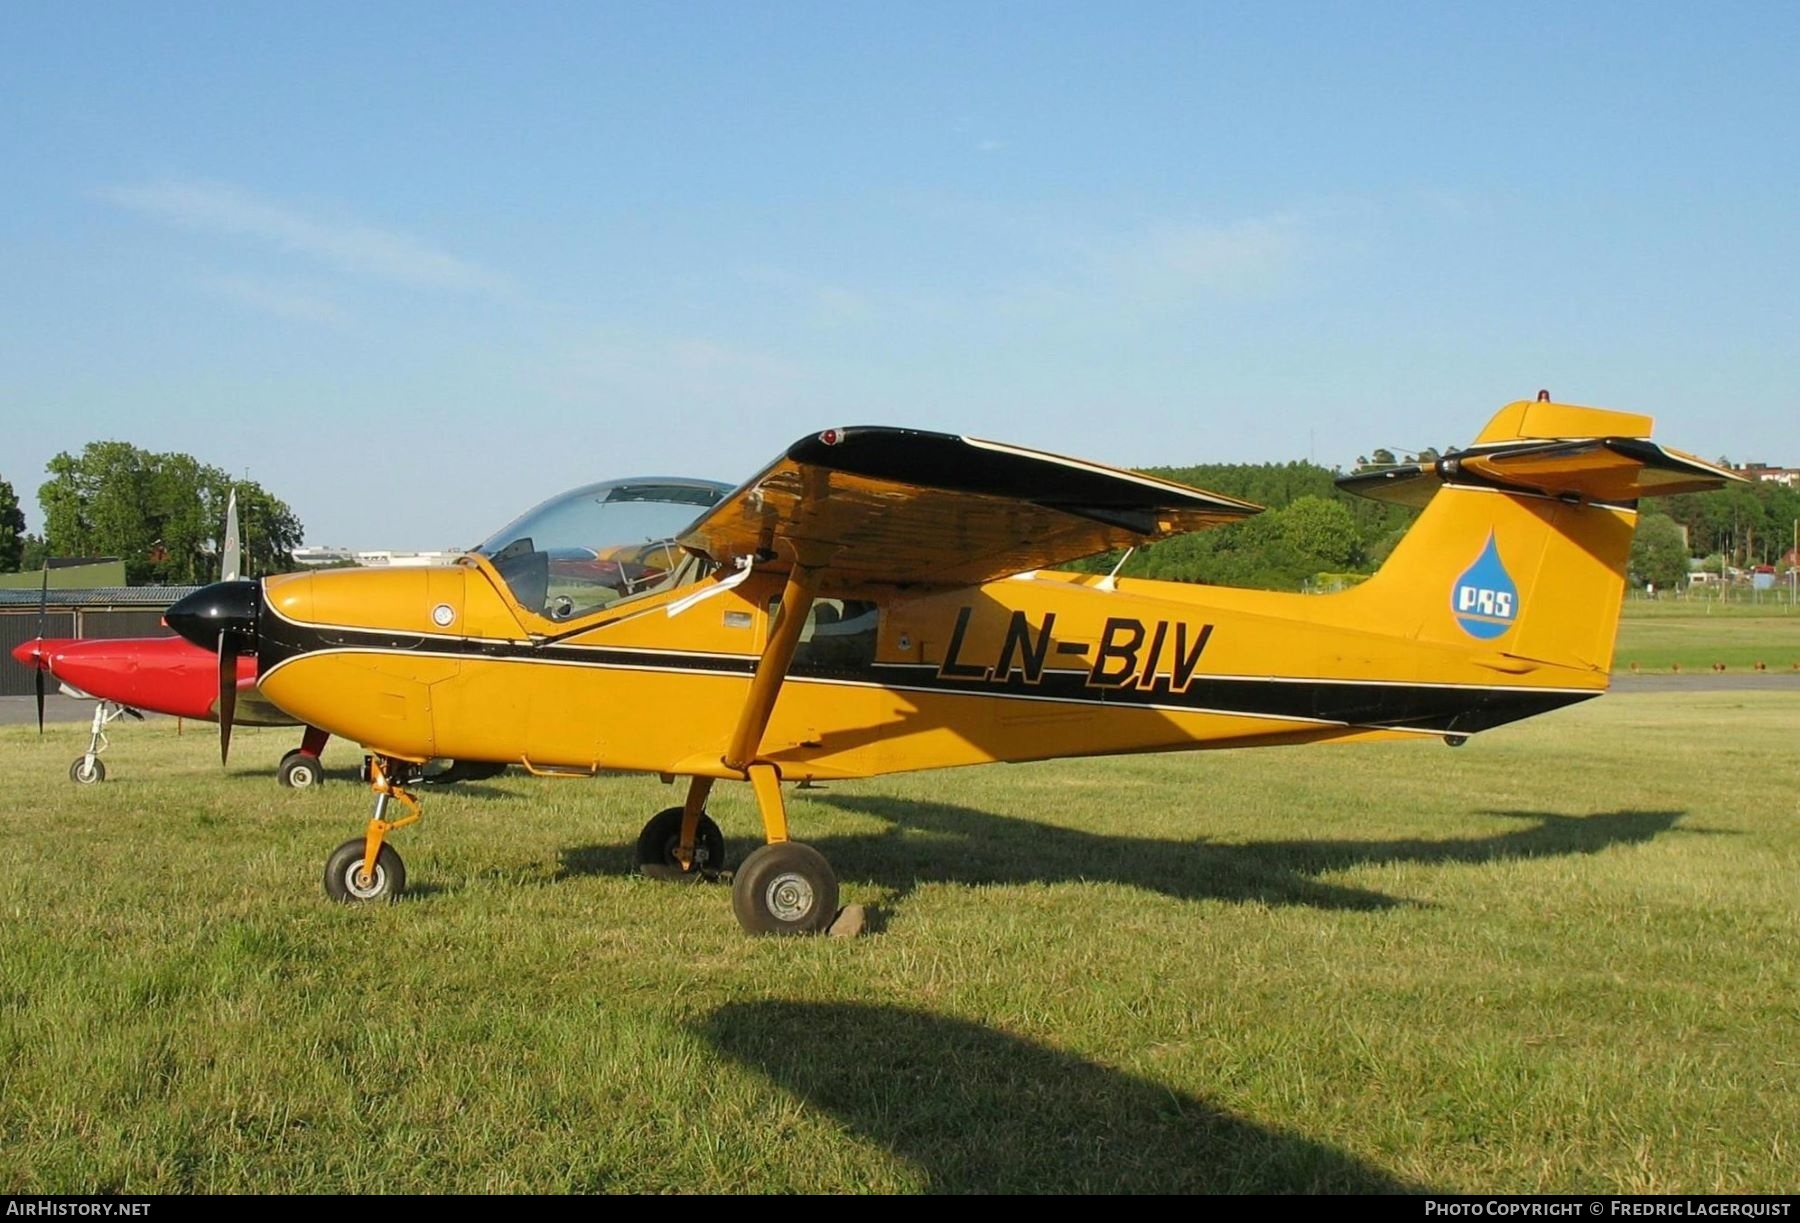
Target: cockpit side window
[838,637]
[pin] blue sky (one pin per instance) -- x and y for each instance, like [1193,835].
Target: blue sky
[414,267]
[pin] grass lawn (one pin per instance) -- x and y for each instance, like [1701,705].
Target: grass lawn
[1561,957]
[1698,633]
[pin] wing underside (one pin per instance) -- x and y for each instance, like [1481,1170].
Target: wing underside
[903,506]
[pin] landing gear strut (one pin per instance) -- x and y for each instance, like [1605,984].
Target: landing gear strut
[659,850]
[367,868]
[87,769]
[784,887]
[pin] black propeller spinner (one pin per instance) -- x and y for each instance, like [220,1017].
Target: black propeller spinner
[221,617]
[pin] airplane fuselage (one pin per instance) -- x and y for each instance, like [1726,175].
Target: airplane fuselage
[440,662]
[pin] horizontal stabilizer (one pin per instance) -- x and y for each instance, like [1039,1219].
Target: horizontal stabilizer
[1613,470]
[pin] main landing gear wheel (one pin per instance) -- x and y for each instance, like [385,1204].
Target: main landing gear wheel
[657,843]
[345,881]
[785,888]
[299,770]
[84,774]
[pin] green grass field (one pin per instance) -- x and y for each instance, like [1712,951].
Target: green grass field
[1561,957]
[1697,633]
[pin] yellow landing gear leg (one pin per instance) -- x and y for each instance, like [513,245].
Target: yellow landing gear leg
[692,809]
[784,887]
[367,868]
[683,842]
[766,781]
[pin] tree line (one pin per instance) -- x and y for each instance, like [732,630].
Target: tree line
[162,514]
[1312,527]
[1730,528]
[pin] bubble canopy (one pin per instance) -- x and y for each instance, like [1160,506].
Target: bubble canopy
[600,543]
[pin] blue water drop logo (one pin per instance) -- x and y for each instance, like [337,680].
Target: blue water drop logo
[1484,599]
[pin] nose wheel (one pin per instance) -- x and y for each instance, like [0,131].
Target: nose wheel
[88,768]
[366,869]
[347,881]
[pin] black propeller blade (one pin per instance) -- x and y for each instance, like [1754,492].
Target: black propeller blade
[221,617]
[228,658]
[37,672]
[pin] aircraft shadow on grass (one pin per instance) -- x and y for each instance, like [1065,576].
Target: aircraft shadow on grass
[981,1111]
[930,842]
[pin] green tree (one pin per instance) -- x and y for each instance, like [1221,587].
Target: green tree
[1259,552]
[160,513]
[12,529]
[271,531]
[1659,554]
[1322,530]
[1753,524]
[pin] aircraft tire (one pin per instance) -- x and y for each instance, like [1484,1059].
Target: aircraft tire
[657,842]
[299,771]
[81,775]
[785,888]
[343,868]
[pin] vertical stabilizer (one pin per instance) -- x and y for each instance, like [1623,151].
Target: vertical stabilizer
[1521,545]
[231,551]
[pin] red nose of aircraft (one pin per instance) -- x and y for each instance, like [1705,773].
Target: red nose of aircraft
[162,674]
[31,654]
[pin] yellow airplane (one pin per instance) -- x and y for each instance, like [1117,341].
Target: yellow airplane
[879,600]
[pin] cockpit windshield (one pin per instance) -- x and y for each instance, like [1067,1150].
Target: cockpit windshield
[599,544]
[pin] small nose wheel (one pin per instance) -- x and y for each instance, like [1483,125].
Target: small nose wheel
[352,875]
[87,770]
[785,888]
[347,882]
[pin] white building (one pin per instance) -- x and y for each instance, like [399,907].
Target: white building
[380,558]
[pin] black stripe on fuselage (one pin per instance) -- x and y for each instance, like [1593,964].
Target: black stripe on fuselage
[1435,708]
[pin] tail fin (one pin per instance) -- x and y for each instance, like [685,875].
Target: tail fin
[1522,543]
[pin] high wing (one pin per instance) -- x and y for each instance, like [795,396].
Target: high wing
[903,506]
[1616,470]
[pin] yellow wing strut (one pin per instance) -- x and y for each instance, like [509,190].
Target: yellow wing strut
[771,669]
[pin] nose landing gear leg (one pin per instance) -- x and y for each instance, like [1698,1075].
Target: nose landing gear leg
[367,868]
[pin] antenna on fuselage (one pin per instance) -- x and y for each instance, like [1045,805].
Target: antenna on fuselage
[1111,581]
